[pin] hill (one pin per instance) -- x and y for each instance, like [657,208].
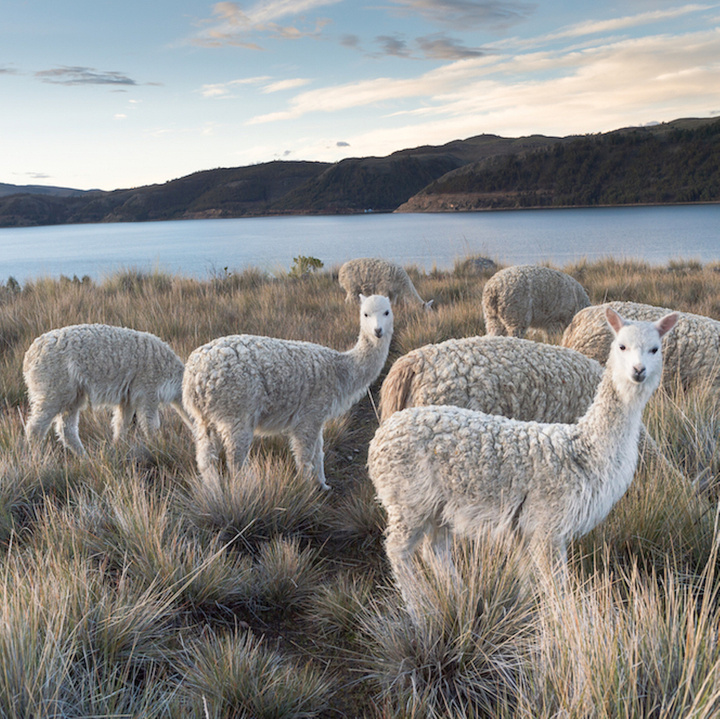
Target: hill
[350,186]
[668,163]
[676,162]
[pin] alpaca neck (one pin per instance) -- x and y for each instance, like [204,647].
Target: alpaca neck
[365,360]
[613,420]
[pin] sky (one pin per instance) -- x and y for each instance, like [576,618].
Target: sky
[97,95]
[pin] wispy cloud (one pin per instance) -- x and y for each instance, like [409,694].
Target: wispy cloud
[83,76]
[436,47]
[281,85]
[225,90]
[651,72]
[441,47]
[393,45]
[465,13]
[231,24]
[595,27]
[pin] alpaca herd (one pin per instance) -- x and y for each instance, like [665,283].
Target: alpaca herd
[496,433]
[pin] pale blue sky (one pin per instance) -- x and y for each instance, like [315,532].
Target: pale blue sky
[115,95]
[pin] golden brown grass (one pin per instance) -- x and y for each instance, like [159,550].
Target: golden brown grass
[128,589]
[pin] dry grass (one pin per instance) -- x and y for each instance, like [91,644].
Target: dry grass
[130,589]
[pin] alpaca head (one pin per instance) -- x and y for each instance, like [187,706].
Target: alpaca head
[376,317]
[636,353]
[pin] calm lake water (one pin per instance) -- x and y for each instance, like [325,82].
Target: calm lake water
[202,247]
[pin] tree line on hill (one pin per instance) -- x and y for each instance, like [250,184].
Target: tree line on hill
[626,167]
[669,163]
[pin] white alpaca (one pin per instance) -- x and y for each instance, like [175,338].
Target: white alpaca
[439,469]
[524,296]
[372,275]
[105,365]
[242,384]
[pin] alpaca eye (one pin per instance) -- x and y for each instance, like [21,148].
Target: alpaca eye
[622,348]
[366,314]
[654,350]
[387,312]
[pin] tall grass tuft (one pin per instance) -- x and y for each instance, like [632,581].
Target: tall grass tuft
[236,675]
[267,497]
[461,647]
[628,644]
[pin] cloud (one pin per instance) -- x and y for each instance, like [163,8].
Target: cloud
[281,85]
[648,75]
[440,47]
[351,41]
[224,90]
[465,13]
[392,45]
[594,27]
[34,175]
[83,76]
[233,25]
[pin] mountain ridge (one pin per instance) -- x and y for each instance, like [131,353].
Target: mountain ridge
[482,172]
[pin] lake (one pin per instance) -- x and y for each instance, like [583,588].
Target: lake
[200,248]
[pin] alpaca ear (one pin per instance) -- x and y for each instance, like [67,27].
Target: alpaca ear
[665,324]
[362,297]
[614,319]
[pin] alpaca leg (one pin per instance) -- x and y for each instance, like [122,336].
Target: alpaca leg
[550,557]
[122,416]
[207,451]
[440,544]
[148,418]
[493,326]
[437,553]
[39,421]
[66,427]
[400,543]
[237,440]
[307,447]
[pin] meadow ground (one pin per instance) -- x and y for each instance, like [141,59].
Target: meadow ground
[129,591]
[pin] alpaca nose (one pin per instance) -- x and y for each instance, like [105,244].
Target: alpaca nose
[378,332]
[639,373]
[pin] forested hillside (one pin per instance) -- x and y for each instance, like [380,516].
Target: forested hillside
[673,163]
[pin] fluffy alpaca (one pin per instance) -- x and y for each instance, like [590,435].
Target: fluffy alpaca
[439,469]
[524,296]
[371,275]
[243,384]
[105,365]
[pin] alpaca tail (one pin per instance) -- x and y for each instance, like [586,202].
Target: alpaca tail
[396,390]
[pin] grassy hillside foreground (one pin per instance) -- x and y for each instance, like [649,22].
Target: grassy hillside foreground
[128,591]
